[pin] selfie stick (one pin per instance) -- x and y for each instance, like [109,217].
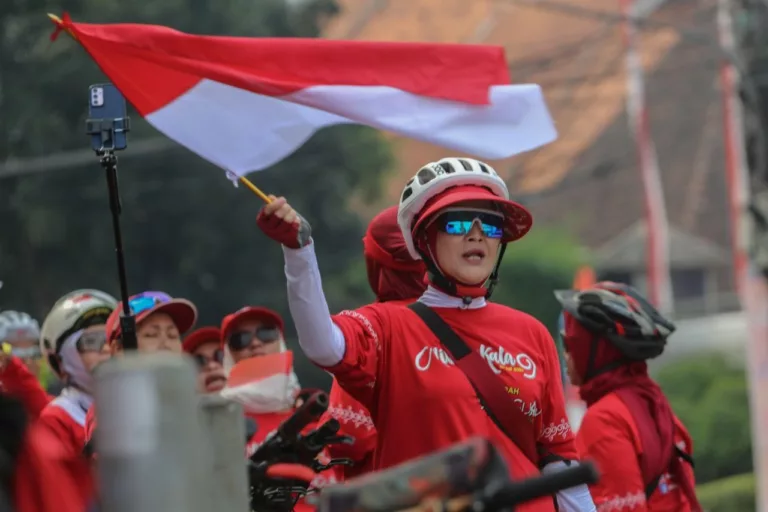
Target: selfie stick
[106,128]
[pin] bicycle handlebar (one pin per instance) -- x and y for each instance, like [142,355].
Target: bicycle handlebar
[515,493]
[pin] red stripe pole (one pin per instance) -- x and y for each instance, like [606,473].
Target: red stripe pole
[750,284]
[657,228]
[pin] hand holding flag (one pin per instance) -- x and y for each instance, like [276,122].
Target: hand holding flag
[246,103]
[280,222]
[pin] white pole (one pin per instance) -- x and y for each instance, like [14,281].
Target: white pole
[749,283]
[224,429]
[152,455]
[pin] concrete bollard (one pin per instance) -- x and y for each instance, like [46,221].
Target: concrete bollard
[224,429]
[152,454]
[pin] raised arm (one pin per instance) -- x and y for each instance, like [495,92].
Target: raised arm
[346,345]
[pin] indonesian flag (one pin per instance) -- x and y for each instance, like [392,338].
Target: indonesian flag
[246,103]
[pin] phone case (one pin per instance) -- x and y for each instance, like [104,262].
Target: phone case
[107,109]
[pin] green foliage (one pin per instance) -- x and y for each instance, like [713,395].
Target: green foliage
[186,229]
[710,397]
[732,494]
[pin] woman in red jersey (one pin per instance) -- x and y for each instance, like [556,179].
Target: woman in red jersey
[629,429]
[394,276]
[456,216]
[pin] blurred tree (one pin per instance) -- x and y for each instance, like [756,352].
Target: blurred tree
[709,395]
[187,230]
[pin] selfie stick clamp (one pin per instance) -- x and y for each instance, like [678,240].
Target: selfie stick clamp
[106,129]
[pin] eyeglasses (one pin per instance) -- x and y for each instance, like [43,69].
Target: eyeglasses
[242,339]
[202,361]
[147,300]
[27,352]
[91,341]
[460,222]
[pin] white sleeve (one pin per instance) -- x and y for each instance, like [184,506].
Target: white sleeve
[320,339]
[574,499]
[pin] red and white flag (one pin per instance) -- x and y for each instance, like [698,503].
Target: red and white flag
[246,103]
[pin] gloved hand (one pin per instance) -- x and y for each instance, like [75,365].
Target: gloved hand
[280,222]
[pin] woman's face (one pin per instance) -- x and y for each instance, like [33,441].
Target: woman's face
[255,339]
[158,333]
[469,258]
[93,356]
[210,376]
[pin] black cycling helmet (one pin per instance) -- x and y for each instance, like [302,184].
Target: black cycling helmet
[618,313]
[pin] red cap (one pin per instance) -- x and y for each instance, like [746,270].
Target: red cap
[199,337]
[182,312]
[517,218]
[249,313]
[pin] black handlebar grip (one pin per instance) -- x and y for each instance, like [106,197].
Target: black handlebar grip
[315,440]
[515,493]
[309,411]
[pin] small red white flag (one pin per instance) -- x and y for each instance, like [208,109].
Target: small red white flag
[246,103]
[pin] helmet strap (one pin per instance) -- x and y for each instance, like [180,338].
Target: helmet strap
[593,372]
[438,279]
[54,361]
[493,279]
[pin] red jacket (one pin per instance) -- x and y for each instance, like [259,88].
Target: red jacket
[17,381]
[608,435]
[48,477]
[65,416]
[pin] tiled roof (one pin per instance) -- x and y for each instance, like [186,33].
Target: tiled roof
[588,179]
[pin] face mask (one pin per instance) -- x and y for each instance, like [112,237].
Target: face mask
[72,364]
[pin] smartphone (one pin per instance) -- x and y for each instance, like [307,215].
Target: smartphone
[108,123]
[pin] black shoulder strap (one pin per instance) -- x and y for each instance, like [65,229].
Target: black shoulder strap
[653,484]
[442,330]
[478,375]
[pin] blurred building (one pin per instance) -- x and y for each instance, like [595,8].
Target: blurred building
[588,180]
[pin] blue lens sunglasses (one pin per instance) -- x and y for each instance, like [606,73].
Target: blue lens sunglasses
[460,221]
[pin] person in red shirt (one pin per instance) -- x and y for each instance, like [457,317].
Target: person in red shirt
[19,332]
[17,381]
[394,276]
[642,449]
[254,332]
[38,475]
[456,216]
[204,345]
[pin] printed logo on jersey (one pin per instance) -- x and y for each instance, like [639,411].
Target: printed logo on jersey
[428,355]
[500,360]
[346,415]
[555,430]
[529,409]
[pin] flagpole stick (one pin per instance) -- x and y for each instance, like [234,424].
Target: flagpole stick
[253,188]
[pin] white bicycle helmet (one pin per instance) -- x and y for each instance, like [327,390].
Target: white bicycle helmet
[437,177]
[17,326]
[72,312]
[428,193]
